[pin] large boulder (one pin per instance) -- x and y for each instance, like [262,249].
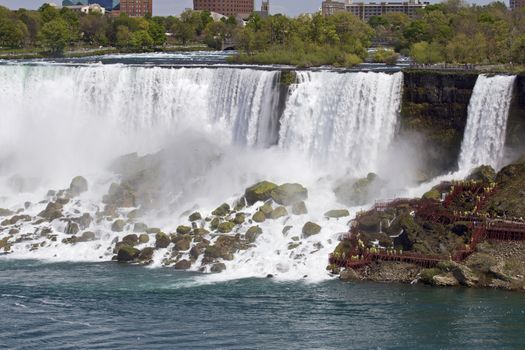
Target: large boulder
[299,208]
[348,275]
[183,264]
[52,211]
[259,216]
[131,240]
[118,225]
[259,192]
[337,213]
[218,267]
[484,173]
[127,254]
[222,210]
[278,212]
[195,216]
[140,227]
[78,185]
[146,255]
[183,230]
[252,233]
[226,227]
[162,240]
[353,192]
[310,229]
[5,212]
[288,194]
[182,242]
[444,280]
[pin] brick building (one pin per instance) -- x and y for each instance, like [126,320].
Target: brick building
[136,8]
[225,7]
[515,4]
[366,10]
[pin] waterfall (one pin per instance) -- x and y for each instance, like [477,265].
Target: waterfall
[347,117]
[484,138]
[237,104]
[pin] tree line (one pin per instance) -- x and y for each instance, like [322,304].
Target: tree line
[450,32]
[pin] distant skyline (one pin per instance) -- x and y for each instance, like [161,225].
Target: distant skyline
[174,7]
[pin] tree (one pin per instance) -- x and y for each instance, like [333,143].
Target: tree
[157,33]
[123,37]
[13,33]
[141,40]
[48,13]
[93,28]
[424,52]
[183,31]
[56,35]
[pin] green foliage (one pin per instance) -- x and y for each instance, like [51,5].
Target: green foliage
[426,53]
[13,33]
[56,35]
[387,56]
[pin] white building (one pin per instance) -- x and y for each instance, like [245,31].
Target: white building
[93,8]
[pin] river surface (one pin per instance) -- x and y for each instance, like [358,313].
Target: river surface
[110,306]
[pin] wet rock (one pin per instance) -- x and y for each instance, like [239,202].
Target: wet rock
[52,211]
[299,208]
[78,185]
[252,233]
[217,268]
[266,209]
[127,254]
[84,221]
[195,216]
[5,212]
[72,228]
[131,240]
[226,226]
[196,251]
[182,242]
[87,236]
[310,229]
[286,229]
[146,255]
[214,224]
[143,238]
[288,194]
[427,275]
[278,212]
[120,196]
[434,194]
[162,240]
[337,213]
[293,245]
[259,216]
[15,219]
[239,218]
[183,265]
[224,248]
[222,210]
[134,214]
[118,225]
[199,232]
[259,192]
[140,227]
[240,204]
[183,230]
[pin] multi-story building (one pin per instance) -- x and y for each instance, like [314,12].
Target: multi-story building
[225,7]
[136,8]
[515,4]
[93,8]
[108,5]
[265,9]
[367,10]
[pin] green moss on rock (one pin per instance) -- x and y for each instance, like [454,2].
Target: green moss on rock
[310,229]
[288,194]
[259,192]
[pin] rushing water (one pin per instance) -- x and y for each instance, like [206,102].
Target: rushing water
[484,138]
[103,306]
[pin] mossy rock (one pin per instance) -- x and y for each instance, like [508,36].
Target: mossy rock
[143,238]
[259,192]
[127,254]
[259,216]
[484,173]
[183,265]
[239,218]
[5,212]
[278,212]
[252,233]
[218,267]
[131,239]
[337,213]
[162,240]
[222,210]
[286,229]
[195,216]
[240,204]
[288,194]
[200,232]
[433,194]
[310,229]
[427,275]
[118,225]
[146,255]
[267,209]
[293,245]
[183,243]
[183,230]
[226,227]
[299,208]
[153,230]
[214,224]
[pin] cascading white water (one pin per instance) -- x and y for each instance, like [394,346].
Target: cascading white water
[347,117]
[484,137]
[63,121]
